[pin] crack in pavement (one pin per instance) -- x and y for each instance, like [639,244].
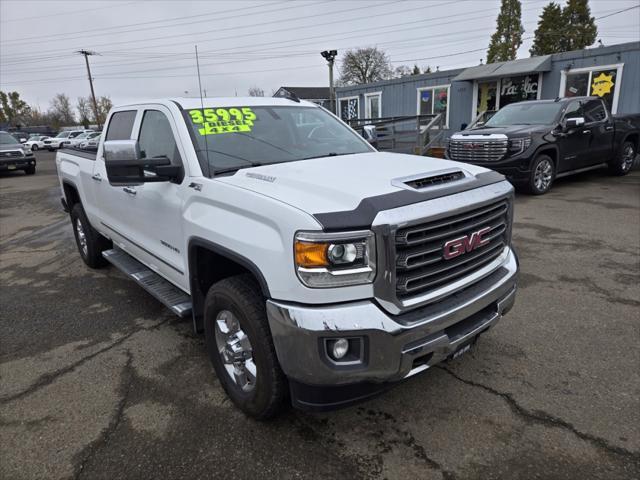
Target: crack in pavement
[103,439]
[541,417]
[49,378]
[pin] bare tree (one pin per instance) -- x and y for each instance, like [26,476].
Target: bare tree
[402,71]
[364,65]
[104,105]
[84,111]
[61,110]
[256,92]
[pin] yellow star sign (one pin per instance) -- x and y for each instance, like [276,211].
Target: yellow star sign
[602,85]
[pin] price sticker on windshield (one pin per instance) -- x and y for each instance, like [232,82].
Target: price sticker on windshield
[213,121]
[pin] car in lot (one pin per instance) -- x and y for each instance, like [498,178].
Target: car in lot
[91,143]
[532,143]
[36,142]
[318,268]
[15,156]
[75,142]
[63,139]
[20,136]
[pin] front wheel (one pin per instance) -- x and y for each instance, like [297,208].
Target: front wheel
[31,170]
[622,163]
[543,173]
[240,347]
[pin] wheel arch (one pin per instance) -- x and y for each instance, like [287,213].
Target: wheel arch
[633,137]
[203,254]
[549,150]
[71,194]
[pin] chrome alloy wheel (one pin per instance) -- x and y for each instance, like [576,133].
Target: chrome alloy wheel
[628,156]
[82,238]
[542,175]
[235,351]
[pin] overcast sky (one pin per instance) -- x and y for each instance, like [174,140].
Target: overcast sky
[146,47]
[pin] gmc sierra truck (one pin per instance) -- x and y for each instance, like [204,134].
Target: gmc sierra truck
[319,269]
[532,143]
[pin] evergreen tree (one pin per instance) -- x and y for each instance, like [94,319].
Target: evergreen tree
[580,27]
[416,70]
[551,27]
[508,35]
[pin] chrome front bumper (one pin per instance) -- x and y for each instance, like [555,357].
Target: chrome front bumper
[396,346]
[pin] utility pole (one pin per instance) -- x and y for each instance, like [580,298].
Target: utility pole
[86,54]
[330,56]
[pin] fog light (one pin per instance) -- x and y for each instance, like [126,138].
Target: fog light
[339,348]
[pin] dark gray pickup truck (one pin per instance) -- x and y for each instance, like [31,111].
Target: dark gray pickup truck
[15,156]
[533,143]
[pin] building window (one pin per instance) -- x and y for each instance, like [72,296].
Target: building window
[487,97]
[492,95]
[598,81]
[434,100]
[373,105]
[349,108]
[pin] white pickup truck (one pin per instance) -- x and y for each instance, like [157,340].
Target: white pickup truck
[319,269]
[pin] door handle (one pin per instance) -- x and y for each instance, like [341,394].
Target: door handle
[97,177]
[608,128]
[586,131]
[130,191]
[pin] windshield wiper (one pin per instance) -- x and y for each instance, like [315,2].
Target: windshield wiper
[330,154]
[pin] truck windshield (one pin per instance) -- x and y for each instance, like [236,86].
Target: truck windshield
[230,138]
[6,139]
[525,114]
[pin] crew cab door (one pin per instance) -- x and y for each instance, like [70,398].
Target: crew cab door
[574,143]
[600,125]
[144,219]
[155,208]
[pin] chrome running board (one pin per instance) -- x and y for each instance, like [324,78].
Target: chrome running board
[171,296]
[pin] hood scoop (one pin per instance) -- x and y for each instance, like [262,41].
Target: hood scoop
[434,180]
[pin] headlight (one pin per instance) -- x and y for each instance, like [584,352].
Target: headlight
[519,145]
[26,149]
[326,260]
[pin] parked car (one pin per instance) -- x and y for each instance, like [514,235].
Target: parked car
[36,142]
[83,137]
[92,143]
[63,139]
[20,136]
[533,143]
[15,156]
[319,269]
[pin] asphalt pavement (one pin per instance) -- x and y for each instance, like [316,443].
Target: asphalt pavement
[98,380]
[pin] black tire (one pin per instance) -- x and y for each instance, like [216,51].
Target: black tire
[543,173]
[241,297]
[31,170]
[94,244]
[624,159]
[34,147]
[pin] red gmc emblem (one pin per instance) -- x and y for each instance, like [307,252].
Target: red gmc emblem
[471,146]
[466,244]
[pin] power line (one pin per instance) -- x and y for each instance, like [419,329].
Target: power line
[72,12]
[192,34]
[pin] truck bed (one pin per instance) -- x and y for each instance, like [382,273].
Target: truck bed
[80,153]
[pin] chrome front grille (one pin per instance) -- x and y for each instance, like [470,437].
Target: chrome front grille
[11,154]
[477,150]
[420,263]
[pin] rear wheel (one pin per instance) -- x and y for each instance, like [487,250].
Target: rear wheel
[90,243]
[241,348]
[34,147]
[622,163]
[543,172]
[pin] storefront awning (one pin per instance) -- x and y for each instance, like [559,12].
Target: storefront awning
[506,69]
